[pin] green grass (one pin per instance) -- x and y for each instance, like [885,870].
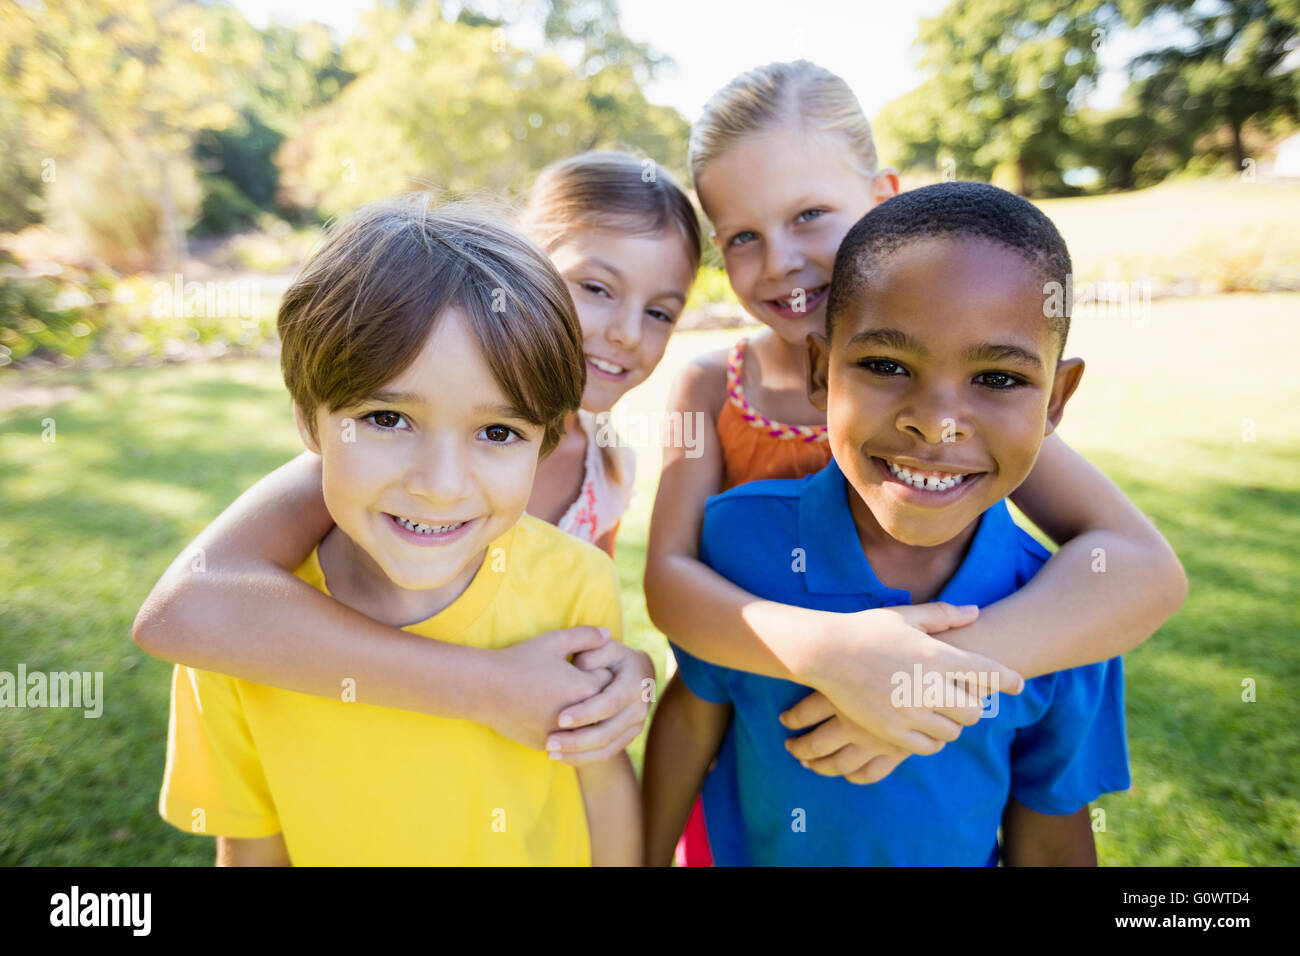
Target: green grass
[144,458]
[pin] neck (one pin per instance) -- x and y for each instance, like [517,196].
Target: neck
[921,570]
[355,579]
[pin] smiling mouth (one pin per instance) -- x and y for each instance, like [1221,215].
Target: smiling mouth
[932,480]
[609,368]
[427,529]
[811,299]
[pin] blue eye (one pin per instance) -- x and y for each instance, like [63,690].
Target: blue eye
[739,239]
[500,434]
[810,213]
[386,420]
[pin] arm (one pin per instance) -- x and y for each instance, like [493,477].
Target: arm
[267,851]
[606,541]
[685,736]
[1036,839]
[613,804]
[1073,613]
[231,604]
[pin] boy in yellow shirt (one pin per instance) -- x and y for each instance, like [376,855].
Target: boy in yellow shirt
[432,356]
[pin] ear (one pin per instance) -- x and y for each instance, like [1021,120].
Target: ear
[819,360]
[1068,374]
[884,185]
[311,444]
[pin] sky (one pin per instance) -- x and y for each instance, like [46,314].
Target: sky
[867,42]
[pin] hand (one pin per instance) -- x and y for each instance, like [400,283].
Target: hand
[858,667]
[838,747]
[532,681]
[611,719]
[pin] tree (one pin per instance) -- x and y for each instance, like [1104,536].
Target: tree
[141,77]
[1232,73]
[453,105]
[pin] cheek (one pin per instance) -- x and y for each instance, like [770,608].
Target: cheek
[654,342]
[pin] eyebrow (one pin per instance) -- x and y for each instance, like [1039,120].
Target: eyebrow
[502,409]
[902,342]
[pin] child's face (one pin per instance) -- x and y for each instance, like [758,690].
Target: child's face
[946,366]
[629,291]
[781,201]
[437,446]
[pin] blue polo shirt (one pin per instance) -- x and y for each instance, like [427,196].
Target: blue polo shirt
[1055,747]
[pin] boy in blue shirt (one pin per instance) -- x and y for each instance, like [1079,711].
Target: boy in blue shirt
[941,372]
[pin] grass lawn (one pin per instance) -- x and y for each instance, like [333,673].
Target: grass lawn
[142,459]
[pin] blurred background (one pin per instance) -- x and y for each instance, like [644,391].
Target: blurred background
[165,167]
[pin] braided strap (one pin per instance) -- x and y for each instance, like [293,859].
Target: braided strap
[803,433]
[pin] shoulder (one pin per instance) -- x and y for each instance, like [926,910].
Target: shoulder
[750,521]
[1027,552]
[702,384]
[540,543]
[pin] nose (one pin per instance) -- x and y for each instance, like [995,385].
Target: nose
[624,327]
[934,415]
[781,258]
[439,471]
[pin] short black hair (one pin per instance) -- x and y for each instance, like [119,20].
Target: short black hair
[957,209]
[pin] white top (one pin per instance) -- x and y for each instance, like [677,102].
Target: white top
[601,503]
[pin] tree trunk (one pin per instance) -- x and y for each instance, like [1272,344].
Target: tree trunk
[1238,150]
[1022,176]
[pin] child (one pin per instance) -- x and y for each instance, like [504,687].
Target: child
[940,375]
[784,163]
[432,356]
[628,245]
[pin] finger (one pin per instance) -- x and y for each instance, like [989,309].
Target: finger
[876,769]
[620,743]
[981,675]
[618,694]
[843,761]
[913,741]
[968,714]
[822,742]
[809,712]
[603,656]
[939,616]
[574,640]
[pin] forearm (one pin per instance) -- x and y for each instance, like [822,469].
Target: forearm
[320,647]
[723,624]
[684,738]
[613,804]
[1101,595]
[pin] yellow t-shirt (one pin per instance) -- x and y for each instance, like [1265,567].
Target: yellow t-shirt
[355,784]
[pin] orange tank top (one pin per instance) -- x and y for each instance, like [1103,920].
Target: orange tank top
[754,447]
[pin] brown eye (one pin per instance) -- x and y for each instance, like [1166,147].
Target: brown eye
[498,434]
[385,419]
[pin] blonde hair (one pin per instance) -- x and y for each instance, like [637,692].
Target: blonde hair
[761,98]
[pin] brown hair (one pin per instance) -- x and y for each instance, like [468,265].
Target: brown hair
[611,189]
[767,95]
[363,306]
